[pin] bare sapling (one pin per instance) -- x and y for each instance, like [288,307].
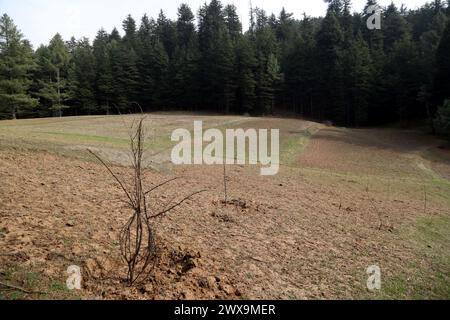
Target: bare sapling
[225,182]
[425,199]
[138,244]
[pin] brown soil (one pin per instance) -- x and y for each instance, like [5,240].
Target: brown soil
[303,234]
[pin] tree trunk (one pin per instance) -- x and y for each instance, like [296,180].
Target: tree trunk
[59,92]
[430,119]
[107,107]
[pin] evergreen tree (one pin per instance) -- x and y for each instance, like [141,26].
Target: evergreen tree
[124,69]
[145,53]
[185,26]
[103,71]
[216,58]
[267,71]
[442,120]
[441,90]
[54,61]
[358,82]
[81,78]
[300,71]
[16,62]
[329,50]
[71,45]
[129,26]
[428,39]
[403,80]
[245,63]
[374,38]
[395,28]
[160,62]
[232,22]
[286,34]
[184,84]
[115,35]
[43,87]
[335,6]
[119,96]
[153,64]
[167,34]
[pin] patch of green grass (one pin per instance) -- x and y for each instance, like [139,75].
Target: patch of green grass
[32,279]
[84,138]
[420,286]
[433,235]
[435,178]
[58,286]
[45,121]
[16,295]
[9,273]
[295,144]
[430,280]
[395,287]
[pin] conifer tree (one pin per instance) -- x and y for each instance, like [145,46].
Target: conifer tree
[245,63]
[81,78]
[185,60]
[267,70]
[103,71]
[54,62]
[330,39]
[16,63]
[300,71]
[216,58]
[232,22]
[442,74]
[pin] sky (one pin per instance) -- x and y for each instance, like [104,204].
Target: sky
[39,20]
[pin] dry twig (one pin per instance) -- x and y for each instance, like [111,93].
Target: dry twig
[13,287]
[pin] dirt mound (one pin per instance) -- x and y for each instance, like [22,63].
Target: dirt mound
[178,274]
[231,210]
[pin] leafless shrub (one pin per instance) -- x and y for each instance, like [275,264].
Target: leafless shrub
[138,244]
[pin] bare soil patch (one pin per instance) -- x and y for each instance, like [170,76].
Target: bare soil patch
[303,234]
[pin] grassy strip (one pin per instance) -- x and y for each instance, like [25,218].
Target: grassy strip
[294,145]
[431,279]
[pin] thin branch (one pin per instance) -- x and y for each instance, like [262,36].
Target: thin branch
[114,176]
[225,182]
[160,185]
[117,108]
[10,286]
[134,102]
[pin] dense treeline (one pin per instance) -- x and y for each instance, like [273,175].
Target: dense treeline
[331,68]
